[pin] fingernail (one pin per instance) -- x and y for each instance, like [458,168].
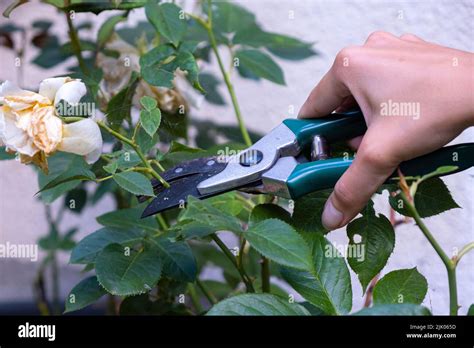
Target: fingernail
[331,218]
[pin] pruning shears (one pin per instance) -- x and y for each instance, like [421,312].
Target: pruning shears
[278,163]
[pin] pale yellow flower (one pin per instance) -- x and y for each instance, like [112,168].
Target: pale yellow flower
[30,126]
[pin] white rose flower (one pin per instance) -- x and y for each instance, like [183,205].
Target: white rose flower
[30,126]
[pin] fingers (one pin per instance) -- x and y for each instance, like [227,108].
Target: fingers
[325,97]
[411,38]
[351,193]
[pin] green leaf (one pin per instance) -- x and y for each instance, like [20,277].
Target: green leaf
[119,106]
[368,256]
[401,286]
[279,242]
[150,120]
[168,20]
[433,197]
[185,61]
[307,212]
[107,29]
[205,213]
[443,170]
[228,17]
[284,46]
[211,85]
[470,311]
[111,168]
[136,183]
[83,294]
[327,284]
[257,304]
[148,103]
[395,309]
[261,65]
[268,211]
[88,248]
[96,6]
[124,272]
[156,68]
[76,170]
[178,260]
[128,218]
[4,155]
[76,200]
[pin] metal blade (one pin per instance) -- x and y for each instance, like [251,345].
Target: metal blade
[181,186]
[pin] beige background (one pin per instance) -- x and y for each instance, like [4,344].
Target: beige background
[331,25]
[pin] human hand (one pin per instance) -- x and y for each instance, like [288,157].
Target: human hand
[416,97]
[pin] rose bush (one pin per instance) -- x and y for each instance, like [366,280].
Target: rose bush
[140,79]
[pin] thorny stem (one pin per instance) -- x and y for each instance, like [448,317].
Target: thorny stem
[195,298]
[137,150]
[75,44]
[233,259]
[230,87]
[463,252]
[265,271]
[448,263]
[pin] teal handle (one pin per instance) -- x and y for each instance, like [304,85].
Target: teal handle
[323,174]
[334,127]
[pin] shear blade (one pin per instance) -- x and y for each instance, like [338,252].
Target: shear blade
[183,183]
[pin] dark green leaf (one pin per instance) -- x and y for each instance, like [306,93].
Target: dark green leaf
[96,6]
[128,218]
[368,256]
[156,68]
[83,294]
[401,286]
[261,65]
[395,309]
[111,168]
[470,311]
[269,211]
[228,17]
[178,259]
[257,304]
[107,29]
[119,106]
[124,272]
[168,20]
[4,155]
[88,248]
[307,212]
[327,284]
[210,84]
[433,197]
[135,183]
[279,242]
[76,200]
[75,170]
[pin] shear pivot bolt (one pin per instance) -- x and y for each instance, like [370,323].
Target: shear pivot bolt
[251,158]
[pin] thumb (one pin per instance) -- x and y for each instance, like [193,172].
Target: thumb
[371,167]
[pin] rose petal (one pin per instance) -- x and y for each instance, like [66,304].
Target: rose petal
[82,138]
[13,137]
[71,92]
[49,87]
[19,99]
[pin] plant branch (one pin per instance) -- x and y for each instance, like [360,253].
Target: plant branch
[210,297]
[233,259]
[464,251]
[448,263]
[195,298]
[225,75]
[75,44]
[265,272]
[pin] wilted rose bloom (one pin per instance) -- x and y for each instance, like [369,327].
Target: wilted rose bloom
[30,126]
[117,73]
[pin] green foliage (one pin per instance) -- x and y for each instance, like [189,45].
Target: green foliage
[401,286]
[257,304]
[124,271]
[135,183]
[377,240]
[168,21]
[118,109]
[279,242]
[261,65]
[150,117]
[395,309]
[308,210]
[433,197]
[83,294]
[107,29]
[326,284]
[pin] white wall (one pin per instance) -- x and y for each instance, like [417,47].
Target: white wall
[331,25]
